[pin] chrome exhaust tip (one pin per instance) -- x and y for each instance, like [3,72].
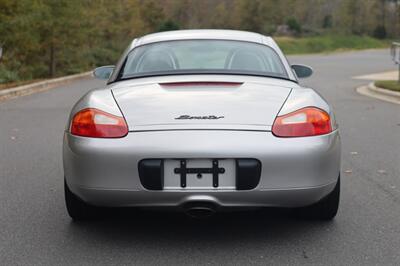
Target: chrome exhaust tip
[200,210]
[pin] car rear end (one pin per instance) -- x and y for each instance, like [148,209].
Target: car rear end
[224,157]
[202,120]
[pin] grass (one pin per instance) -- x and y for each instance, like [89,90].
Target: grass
[9,85]
[328,43]
[392,85]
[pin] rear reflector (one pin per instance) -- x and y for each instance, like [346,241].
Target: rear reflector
[95,123]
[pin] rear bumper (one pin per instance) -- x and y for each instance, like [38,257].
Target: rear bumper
[295,172]
[297,197]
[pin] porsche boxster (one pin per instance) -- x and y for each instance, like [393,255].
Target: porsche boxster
[202,121]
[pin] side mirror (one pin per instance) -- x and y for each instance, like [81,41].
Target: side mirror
[103,72]
[302,71]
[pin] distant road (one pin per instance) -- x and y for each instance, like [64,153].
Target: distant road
[35,228]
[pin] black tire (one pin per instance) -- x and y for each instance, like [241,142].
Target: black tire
[325,209]
[77,209]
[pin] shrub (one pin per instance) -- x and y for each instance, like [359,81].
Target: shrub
[294,25]
[380,32]
[168,25]
[7,75]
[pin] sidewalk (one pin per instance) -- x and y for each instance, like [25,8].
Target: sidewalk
[391,75]
[371,90]
[44,85]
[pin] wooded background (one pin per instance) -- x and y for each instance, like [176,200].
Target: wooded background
[46,38]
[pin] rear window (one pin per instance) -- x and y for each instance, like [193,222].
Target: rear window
[202,56]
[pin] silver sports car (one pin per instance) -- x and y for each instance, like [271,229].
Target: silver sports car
[202,121]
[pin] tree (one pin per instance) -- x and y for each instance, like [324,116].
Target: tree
[249,16]
[42,38]
[59,25]
[327,23]
[152,15]
[220,17]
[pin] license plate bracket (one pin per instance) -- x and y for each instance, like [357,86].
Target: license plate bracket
[199,174]
[215,170]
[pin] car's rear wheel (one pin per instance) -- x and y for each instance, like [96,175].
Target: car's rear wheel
[325,209]
[78,209]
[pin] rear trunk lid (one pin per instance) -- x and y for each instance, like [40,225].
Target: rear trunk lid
[191,104]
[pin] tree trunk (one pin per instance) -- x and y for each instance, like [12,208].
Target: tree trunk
[383,10]
[52,62]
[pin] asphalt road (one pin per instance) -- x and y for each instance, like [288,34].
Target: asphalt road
[36,230]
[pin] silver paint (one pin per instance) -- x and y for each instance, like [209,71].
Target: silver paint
[153,106]
[295,171]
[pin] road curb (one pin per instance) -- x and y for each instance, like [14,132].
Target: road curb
[371,90]
[40,86]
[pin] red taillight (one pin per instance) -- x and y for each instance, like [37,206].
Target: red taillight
[309,121]
[95,123]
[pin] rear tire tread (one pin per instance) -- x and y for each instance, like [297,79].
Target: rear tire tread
[77,209]
[325,209]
